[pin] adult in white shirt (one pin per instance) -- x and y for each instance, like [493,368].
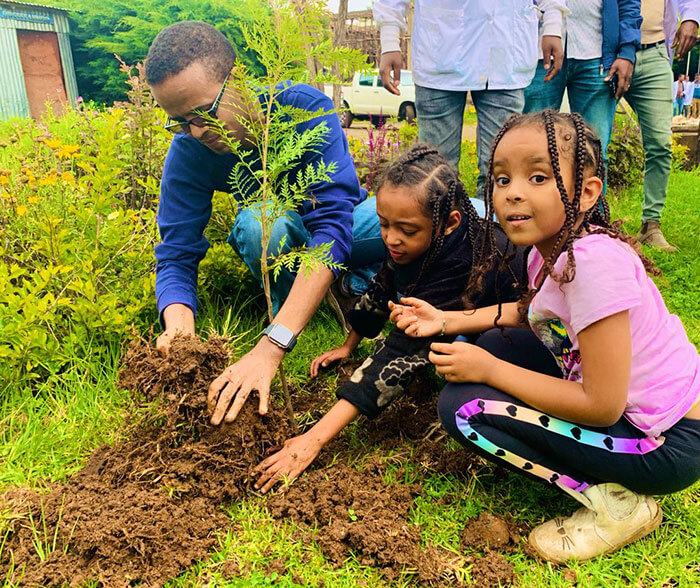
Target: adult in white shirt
[689,90]
[651,96]
[488,48]
[601,41]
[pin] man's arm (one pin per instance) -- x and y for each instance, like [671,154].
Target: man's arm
[256,369]
[390,17]
[630,21]
[687,33]
[553,13]
[183,213]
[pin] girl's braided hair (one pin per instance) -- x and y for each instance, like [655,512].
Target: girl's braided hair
[425,171]
[586,154]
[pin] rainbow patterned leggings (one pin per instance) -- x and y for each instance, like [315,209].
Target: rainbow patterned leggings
[504,430]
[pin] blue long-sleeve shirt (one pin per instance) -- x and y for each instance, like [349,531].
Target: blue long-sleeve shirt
[192,173]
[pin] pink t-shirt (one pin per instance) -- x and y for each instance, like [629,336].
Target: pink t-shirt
[610,278]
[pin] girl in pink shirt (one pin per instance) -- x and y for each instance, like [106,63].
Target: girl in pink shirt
[588,383]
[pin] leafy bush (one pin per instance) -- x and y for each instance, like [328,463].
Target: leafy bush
[625,153]
[77,231]
[469,166]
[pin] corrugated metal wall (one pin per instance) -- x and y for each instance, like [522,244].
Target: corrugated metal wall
[13,94]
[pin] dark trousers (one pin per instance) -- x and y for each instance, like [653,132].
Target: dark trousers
[504,430]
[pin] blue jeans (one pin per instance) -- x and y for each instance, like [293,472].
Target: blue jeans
[365,258]
[588,94]
[441,113]
[678,106]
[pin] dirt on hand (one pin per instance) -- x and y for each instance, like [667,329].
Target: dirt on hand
[145,509]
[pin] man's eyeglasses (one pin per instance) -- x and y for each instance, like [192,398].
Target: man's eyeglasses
[182,125]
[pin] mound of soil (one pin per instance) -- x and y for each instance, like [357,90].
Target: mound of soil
[486,531]
[355,511]
[146,508]
[492,570]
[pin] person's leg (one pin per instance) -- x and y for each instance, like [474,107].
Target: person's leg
[650,97]
[603,468]
[540,95]
[677,106]
[440,117]
[245,240]
[368,249]
[493,107]
[590,96]
[696,107]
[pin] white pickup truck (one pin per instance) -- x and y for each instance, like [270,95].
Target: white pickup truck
[367,98]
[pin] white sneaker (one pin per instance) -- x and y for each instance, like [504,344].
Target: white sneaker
[613,517]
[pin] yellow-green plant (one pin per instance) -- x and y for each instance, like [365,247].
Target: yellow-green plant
[76,259]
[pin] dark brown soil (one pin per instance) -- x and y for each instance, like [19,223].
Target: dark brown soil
[486,531]
[355,511]
[143,510]
[492,570]
[148,507]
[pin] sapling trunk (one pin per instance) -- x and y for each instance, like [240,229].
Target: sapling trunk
[264,268]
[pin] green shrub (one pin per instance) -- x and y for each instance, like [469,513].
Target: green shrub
[77,232]
[625,153]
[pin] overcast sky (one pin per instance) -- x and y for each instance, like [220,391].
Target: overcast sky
[352,5]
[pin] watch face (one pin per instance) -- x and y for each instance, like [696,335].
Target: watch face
[281,335]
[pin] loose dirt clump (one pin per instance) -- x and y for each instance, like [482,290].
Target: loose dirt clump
[146,508]
[492,570]
[355,511]
[486,531]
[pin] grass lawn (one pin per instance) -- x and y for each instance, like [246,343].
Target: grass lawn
[45,436]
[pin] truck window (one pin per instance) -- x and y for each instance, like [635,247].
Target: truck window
[366,80]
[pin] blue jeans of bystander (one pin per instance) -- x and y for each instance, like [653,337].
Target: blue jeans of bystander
[441,113]
[588,94]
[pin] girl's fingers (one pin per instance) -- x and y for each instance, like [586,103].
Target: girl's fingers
[439,360]
[447,348]
[414,302]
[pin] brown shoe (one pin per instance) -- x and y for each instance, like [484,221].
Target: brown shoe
[341,301]
[651,235]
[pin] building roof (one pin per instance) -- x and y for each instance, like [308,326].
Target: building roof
[32,5]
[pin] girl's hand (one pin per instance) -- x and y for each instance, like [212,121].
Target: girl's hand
[461,362]
[288,463]
[416,317]
[327,358]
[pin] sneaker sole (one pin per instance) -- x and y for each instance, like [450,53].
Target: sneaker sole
[642,532]
[337,311]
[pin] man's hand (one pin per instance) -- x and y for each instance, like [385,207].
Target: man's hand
[178,319]
[461,362]
[686,37]
[254,371]
[288,463]
[388,63]
[624,70]
[552,49]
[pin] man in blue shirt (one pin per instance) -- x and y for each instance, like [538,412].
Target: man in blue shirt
[187,67]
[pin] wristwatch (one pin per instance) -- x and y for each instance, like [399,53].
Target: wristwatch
[281,336]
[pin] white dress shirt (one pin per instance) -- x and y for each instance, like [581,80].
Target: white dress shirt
[584,29]
[467,44]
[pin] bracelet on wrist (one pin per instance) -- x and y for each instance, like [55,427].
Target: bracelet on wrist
[442,331]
